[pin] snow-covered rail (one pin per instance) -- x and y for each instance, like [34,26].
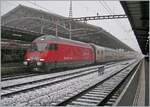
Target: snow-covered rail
[24,84]
[101,93]
[27,91]
[23,75]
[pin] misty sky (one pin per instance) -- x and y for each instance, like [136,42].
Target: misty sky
[120,28]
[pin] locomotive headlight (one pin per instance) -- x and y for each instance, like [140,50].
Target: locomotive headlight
[25,63]
[39,63]
[42,59]
[28,59]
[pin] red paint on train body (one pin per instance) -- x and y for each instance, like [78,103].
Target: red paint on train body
[57,50]
[64,53]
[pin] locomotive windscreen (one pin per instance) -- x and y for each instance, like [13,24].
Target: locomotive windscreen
[38,47]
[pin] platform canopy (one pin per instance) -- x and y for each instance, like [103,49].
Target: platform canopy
[25,23]
[138,14]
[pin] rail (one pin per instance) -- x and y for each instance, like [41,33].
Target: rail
[100,93]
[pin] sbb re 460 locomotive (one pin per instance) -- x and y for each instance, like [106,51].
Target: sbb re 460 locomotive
[49,52]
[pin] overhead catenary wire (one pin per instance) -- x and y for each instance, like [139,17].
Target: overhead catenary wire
[104,7]
[118,22]
[114,13]
[111,12]
[34,3]
[56,21]
[107,8]
[13,3]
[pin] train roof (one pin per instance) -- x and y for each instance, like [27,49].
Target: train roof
[59,40]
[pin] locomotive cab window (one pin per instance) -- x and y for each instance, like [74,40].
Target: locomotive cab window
[52,46]
[40,47]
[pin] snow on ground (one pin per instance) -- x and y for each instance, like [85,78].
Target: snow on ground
[39,77]
[51,94]
[47,81]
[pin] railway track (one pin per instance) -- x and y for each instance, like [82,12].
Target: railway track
[18,86]
[12,77]
[101,93]
[9,89]
[24,75]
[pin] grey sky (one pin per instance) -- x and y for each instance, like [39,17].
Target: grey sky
[120,28]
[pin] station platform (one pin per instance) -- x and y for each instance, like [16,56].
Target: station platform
[147,103]
[142,92]
[136,91]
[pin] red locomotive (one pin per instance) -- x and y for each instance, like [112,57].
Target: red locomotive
[49,52]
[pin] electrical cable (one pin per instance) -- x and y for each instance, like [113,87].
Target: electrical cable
[111,12]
